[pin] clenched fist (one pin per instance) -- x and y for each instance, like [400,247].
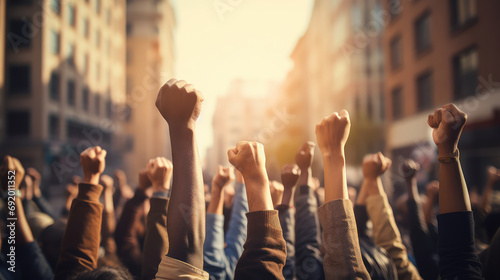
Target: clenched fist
[12,172]
[374,165]
[332,133]
[277,190]
[289,175]
[305,155]
[159,171]
[107,182]
[223,177]
[410,169]
[248,158]
[93,164]
[447,124]
[179,103]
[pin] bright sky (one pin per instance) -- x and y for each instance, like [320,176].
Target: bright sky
[245,39]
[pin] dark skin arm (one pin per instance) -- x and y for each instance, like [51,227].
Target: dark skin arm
[223,178]
[180,105]
[289,176]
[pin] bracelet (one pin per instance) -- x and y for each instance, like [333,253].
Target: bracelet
[453,157]
[6,194]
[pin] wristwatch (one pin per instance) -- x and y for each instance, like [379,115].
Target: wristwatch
[453,157]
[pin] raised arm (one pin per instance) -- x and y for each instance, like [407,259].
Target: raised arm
[493,178]
[342,253]
[458,259]
[38,197]
[108,217]
[158,174]
[180,105]
[80,244]
[289,176]
[264,251]
[308,260]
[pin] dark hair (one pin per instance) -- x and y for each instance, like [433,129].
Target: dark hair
[105,273]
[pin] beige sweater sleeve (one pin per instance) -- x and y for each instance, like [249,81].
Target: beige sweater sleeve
[386,235]
[340,239]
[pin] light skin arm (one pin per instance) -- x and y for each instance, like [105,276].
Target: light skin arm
[447,124]
[223,178]
[180,105]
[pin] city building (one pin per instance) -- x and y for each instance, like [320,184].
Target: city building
[64,83]
[150,60]
[439,52]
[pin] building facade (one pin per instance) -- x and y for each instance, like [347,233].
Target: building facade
[64,82]
[150,62]
[439,52]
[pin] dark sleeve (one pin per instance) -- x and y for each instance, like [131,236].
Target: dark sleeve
[308,261]
[264,252]
[32,262]
[44,206]
[361,219]
[457,257]
[126,237]
[490,258]
[156,240]
[424,249]
[80,244]
[287,221]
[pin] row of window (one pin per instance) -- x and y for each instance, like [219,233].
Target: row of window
[55,6]
[463,12]
[465,73]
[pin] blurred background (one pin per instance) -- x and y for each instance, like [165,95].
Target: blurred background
[80,73]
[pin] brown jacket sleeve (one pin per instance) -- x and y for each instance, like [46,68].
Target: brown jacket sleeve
[156,241]
[126,236]
[340,240]
[386,235]
[80,244]
[264,252]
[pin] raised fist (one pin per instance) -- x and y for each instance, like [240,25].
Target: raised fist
[432,188]
[493,174]
[93,164]
[290,174]
[159,172]
[332,133]
[410,169]
[276,192]
[121,177]
[223,177]
[248,158]
[447,124]
[179,103]
[305,155]
[12,173]
[374,165]
[144,182]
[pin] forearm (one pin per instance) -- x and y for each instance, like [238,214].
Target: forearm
[429,209]
[486,196]
[335,178]
[453,195]
[22,228]
[288,197]
[259,197]
[305,177]
[186,225]
[216,204]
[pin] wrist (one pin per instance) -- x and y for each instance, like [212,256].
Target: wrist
[91,178]
[177,128]
[335,158]
[160,188]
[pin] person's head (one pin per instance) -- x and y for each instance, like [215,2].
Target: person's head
[105,273]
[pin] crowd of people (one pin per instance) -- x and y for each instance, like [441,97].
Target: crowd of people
[246,227]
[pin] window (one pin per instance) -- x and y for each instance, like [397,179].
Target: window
[108,16]
[70,90]
[97,6]
[18,123]
[71,14]
[85,64]
[465,73]
[70,57]
[463,12]
[85,99]
[423,33]
[55,42]
[424,91]
[85,27]
[369,106]
[55,5]
[397,103]
[54,86]
[97,72]
[19,79]
[396,53]
[53,127]
[19,34]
